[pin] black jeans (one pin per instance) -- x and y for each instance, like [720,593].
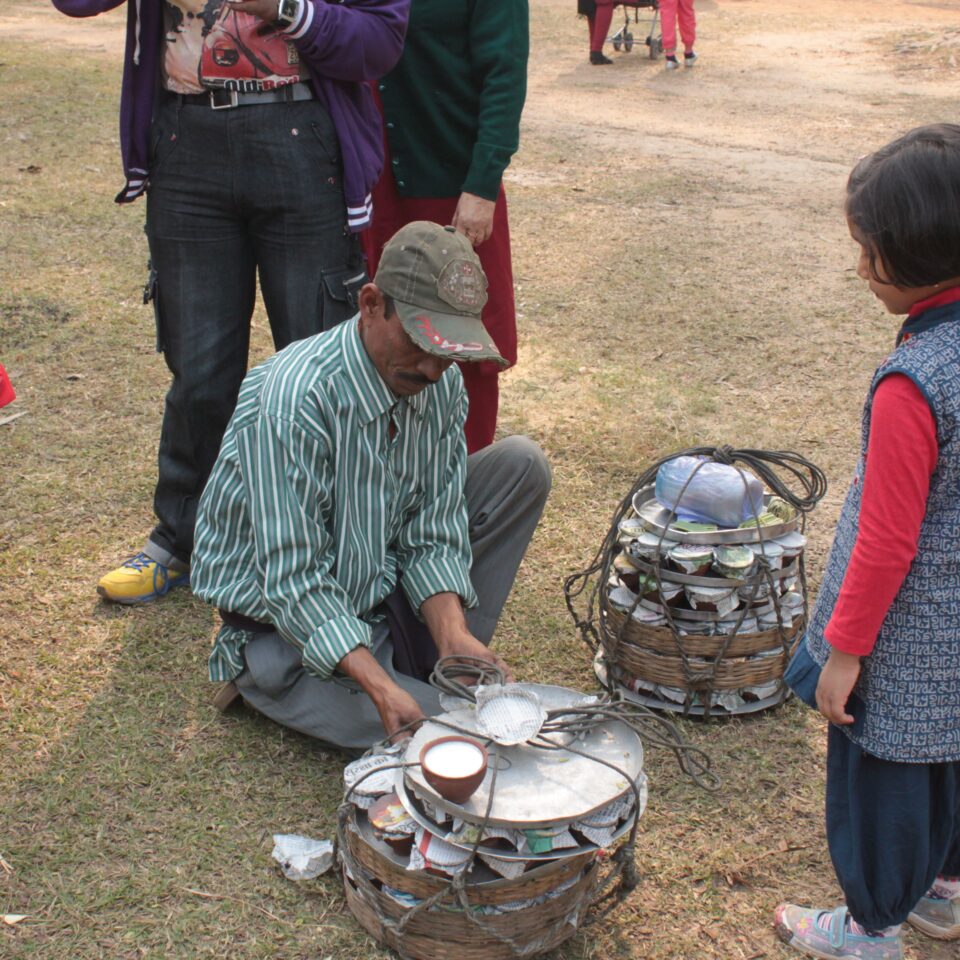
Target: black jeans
[234,193]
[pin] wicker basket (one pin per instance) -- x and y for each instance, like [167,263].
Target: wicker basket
[621,631]
[533,883]
[698,653]
[705,663]
[445,932]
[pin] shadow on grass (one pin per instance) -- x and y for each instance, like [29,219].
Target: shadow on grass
[146,830]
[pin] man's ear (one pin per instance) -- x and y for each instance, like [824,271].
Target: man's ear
[371,302]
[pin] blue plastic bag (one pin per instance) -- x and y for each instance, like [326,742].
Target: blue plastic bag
[718,493]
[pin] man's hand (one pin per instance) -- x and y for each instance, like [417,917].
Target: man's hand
[474,218]
[467,645]
[396,707]
[443,615]
[264,9]
[837,679]
[397,710]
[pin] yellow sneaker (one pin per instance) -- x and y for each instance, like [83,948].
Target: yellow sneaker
[140,580]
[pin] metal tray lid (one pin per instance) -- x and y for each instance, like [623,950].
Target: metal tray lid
[656,519]
[538,787]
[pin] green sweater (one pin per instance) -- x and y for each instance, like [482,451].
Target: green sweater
[452,104]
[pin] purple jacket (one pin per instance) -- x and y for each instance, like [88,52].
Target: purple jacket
[342,43]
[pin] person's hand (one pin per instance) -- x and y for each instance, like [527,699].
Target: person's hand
[474,218]
[837,679]
[264,9]
[465,644]
[397,710]
[396,707]
[443,615]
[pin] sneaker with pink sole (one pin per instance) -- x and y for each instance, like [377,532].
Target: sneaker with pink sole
[827,934]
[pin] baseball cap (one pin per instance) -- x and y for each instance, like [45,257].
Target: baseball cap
[439,288]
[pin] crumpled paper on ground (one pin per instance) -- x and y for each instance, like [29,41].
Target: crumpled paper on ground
[302,858]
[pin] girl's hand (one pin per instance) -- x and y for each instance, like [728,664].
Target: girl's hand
[837,679]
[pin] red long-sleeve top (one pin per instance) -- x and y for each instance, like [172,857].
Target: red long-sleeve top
[902,454]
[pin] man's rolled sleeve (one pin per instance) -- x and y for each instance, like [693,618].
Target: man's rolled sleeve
[438,573]
[331,642]
[288,472]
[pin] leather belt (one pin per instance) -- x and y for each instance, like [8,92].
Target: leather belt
[221,99]
[242,622]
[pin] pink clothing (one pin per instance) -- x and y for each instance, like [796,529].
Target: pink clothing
[672,12]
[6,388]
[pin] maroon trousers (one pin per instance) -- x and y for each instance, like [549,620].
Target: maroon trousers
[390,213]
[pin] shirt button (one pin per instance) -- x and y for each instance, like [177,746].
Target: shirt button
[400,183]
[389,126]
[381,86]
[396,162]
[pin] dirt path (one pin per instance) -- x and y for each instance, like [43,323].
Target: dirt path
[780,87]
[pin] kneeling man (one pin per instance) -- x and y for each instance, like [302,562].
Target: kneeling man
[344,534]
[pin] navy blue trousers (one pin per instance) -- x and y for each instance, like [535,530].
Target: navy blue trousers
[891,829]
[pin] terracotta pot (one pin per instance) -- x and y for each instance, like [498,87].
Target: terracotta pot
[456,789]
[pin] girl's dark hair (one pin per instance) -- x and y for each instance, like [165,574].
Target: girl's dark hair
[904,201]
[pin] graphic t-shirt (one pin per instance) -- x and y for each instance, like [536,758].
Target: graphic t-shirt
[210,45]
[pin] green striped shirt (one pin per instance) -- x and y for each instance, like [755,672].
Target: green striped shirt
[314,512]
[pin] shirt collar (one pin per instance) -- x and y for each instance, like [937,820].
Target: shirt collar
[372,396]
[930,312]
[952,295]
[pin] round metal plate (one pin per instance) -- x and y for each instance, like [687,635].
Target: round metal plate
[656,703]
[680,615]
[671,576]
[416,812]
[480,874]
[538,787]
[656,523]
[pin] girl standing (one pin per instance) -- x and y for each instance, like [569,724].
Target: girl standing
[671,13]
[881,656]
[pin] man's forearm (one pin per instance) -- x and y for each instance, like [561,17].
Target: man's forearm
[399,712]
[359,664]
[443,615]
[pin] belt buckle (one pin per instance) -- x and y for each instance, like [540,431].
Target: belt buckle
[234,100]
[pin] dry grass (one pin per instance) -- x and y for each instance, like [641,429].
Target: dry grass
[683,276]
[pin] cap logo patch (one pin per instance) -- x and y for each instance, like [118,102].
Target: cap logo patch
[440,341]
[462,285]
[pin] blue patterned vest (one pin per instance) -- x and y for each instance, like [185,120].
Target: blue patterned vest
[910,683]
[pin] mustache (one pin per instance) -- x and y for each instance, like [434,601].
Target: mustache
[418,378]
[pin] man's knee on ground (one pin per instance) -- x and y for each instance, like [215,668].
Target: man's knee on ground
[530,464]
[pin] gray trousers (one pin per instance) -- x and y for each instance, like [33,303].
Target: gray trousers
[506,489]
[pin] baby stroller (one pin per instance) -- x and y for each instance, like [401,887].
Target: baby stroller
[624,37]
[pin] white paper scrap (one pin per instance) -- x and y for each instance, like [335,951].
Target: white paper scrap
[302,858]
[511,869]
